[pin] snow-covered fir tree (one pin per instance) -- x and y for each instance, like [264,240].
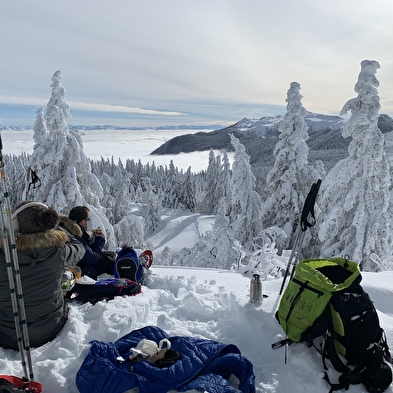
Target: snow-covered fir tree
[171,187]
[40,130]
[290,179]
[222,238]
[225,182]
[246,204]
[218,183]
[60,163]
[152,207]
[130,230]
[209,203]
[118,191]
[187,198]
[355,194]
[122,191]
[40,134]
[16,170]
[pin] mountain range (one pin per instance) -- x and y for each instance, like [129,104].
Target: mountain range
[259,137]
[109,127]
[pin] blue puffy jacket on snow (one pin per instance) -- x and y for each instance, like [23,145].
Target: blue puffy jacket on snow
[203,365]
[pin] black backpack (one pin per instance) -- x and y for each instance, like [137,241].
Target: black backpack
[127,265]
[352,338]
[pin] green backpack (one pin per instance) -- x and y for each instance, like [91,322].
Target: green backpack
[324,299]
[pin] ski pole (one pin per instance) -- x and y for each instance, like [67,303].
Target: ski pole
[304,223]
[13,272]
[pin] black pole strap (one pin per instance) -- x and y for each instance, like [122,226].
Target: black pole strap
[308,207]
[35,180]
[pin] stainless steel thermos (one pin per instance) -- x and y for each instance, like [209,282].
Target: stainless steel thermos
[255,288]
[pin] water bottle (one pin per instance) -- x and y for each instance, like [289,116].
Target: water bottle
[255,288]
[66,281]
[70,277]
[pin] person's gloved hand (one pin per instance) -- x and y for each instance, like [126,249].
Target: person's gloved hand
[98,232]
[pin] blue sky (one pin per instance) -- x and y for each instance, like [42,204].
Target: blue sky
[154,62]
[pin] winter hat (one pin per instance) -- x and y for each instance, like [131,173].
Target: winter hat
[32,217]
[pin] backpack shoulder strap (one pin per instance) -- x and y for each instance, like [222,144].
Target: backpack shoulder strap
[348,376]
[329,352]
[385,348]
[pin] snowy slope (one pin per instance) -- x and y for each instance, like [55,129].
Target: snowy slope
[211,304]
[207,303]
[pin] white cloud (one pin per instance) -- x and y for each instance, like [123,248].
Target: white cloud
[171,54]
[82,106]
[120,109]
[23,101]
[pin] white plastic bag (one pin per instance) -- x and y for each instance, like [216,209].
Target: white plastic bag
[149,350]
[148,347]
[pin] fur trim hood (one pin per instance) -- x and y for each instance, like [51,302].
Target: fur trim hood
[70,225]
[40,240]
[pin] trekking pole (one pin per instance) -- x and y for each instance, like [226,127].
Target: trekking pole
[304,223]
[12,263]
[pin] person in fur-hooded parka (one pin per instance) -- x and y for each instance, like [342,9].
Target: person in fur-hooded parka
[44,252]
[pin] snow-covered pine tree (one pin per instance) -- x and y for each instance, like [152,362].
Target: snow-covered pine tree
[290,179]
[60,163]
[152,207]
[123,191]
[222,239]
[40,134]
[225,181]
[16,169]
[130,230]
[355,193]
[246,205]
[40,131]
[209,203]
[171,198]
[218,184]
[187,198]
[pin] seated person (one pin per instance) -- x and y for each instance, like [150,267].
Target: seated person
[92,263]
[44,252]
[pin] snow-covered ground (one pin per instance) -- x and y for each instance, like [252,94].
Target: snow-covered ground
[205,303]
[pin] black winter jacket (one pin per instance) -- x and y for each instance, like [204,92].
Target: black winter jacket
[43,257]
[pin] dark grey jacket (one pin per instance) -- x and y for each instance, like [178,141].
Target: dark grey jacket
[43,257]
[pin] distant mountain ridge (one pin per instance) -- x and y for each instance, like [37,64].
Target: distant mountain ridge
[109,127]
[259,136]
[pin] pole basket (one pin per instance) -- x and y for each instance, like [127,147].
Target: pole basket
[23,384]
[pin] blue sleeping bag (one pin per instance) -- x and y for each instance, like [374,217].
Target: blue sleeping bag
[203,365]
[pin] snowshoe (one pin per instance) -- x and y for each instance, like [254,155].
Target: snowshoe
[9,384]
[146,259]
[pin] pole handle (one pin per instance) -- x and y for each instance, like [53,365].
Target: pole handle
[308,207]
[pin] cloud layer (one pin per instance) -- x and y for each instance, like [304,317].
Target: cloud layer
[206,61]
